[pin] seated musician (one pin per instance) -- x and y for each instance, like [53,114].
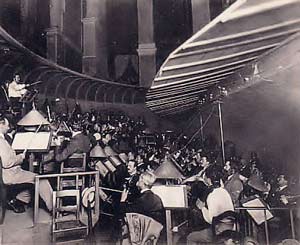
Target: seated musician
[218,201]
[16,90]
[79,143]
[148,203]
[204,164]
[131,181]
[278,195]
[233,183]
[198,189]
[13,174]
[281,196]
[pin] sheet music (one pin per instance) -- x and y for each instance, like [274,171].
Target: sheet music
[172,196]
[258,215]
[32,141]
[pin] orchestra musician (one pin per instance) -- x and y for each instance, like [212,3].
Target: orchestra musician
[279,197]
[131,180]
[79,143]
[13,174]
[16,90]
[217,202]
[147,203]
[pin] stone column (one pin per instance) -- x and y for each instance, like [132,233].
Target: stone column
[146,43]
[28,15]
[200,14]
[94,60]
[54,38]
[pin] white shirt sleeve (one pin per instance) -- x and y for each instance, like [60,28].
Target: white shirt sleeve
[218,202]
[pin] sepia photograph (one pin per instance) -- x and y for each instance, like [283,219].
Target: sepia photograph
[150,122]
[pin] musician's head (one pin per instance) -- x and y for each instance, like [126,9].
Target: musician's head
[204,162]
[132,167]
[76,127]
[146,180]
[17,77]
[282,180]
[4,124]
[213,175]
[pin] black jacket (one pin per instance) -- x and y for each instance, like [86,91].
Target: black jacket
[148,204]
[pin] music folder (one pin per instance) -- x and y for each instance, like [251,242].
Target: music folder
[262,213]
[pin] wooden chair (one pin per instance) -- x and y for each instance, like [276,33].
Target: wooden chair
[64,226]
[75,163]
[227,221]
[142,229]
[2,196]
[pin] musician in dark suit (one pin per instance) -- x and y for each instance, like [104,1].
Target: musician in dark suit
[79,143]
[147,203]
[278,197]
[233,183]
[131,181]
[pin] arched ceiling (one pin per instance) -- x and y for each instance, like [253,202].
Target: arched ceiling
[241,35]
[60,82]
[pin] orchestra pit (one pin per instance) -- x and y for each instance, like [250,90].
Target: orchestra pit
[149,122]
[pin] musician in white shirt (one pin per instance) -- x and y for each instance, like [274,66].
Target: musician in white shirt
[218,201]
[15,89]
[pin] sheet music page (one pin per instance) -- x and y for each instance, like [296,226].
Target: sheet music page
[31,141]
[171,196]
[257,215]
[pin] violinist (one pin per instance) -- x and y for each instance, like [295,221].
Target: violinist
[131,180]
[16,90]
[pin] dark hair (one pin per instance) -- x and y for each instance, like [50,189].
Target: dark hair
[215,173]
[230,234]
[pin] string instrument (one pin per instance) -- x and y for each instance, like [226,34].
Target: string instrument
[28,85]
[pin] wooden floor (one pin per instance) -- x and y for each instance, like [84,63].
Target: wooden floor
[19,229]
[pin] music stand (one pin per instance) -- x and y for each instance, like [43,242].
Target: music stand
[32,142]
[258,210]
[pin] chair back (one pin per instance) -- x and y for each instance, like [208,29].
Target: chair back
[225,221]
[67,226]
[75,163]
[57,206]
[143,229]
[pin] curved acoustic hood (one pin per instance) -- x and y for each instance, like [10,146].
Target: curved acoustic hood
[239,36]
